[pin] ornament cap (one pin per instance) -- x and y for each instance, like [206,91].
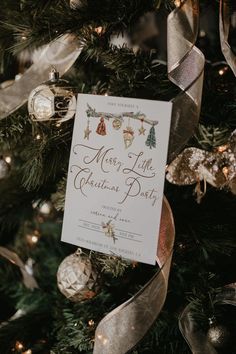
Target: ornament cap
[54,75]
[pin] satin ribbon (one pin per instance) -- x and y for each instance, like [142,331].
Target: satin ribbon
[185,69]
[61,53]
[125,326]
[196,339]
[28,279]
[224,25]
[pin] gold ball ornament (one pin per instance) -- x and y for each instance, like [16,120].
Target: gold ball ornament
[218,336]
[53,100]
[76,278]
[116,124]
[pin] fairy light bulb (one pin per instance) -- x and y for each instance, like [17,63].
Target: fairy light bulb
[91,323]
[19,346]
[33,238]
[8,159]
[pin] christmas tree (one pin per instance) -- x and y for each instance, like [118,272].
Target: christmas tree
[54,295]
[151,139]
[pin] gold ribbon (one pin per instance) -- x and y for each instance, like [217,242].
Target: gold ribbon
[196,339]
[61,53]
[125,326]
[224,24]
[185,69]
[28,278]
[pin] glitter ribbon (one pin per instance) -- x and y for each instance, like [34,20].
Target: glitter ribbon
[125,326]
[60,53]
[185,69]
[28,278]
[224,24]
[196,339]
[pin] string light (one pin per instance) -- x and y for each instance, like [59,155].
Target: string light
[45,208]
[202,34]
[91,323]
[29,351]
[8,159]
[223,71]
[99,30]
[38,137]
[19,346]
[33,238]
[222,148]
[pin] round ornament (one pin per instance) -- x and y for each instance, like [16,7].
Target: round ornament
[116,124]
[76,278]
[218,336]
[53,100]
[4,168]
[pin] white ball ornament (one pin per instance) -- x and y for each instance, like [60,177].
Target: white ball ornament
[76,278]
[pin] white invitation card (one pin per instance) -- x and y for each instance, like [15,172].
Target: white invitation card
[116,176]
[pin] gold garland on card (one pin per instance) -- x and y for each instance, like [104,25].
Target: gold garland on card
[125,326]
[185,69]
[60,53]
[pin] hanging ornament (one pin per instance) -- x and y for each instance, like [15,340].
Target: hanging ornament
[76,278]
[151,139]
[128,135]
[53,100]
[142,129]
[101,129]
[4,168]
[218,335]
[87,131]
[218,167]
[116,124]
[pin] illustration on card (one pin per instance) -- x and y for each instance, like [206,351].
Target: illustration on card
[117,121]
[109,230]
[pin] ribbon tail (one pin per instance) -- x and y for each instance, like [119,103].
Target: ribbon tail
[185,69]
[224,25]
[125,326]
[28,279]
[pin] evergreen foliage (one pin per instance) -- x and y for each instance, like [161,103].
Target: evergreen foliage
[204,254]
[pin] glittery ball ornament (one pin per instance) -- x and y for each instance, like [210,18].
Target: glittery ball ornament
[76,278]
[52,100]
[4,168]
[218,336]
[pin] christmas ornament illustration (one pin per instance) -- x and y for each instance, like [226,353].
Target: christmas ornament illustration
[151,139]
[108,229]
[117,121]
[101,129]
[128,135]
[142,129]
[116,124]
[87,131]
